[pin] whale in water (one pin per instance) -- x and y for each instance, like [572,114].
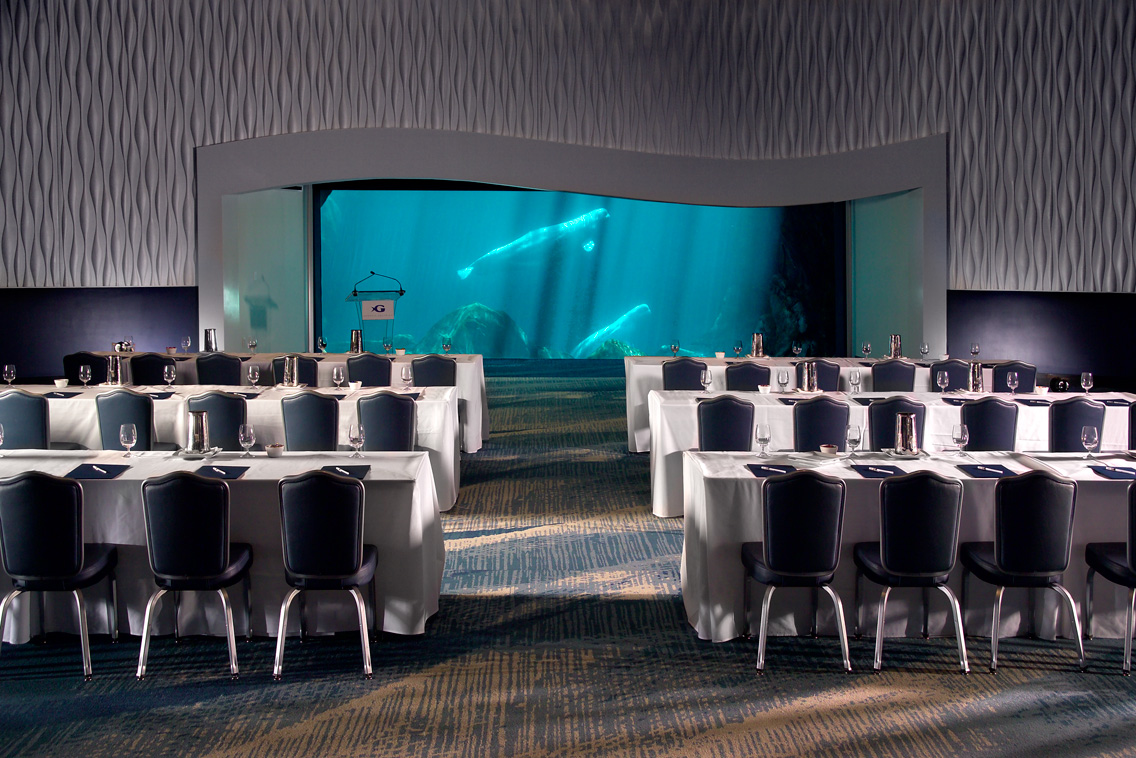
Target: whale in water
[542,241]
[593,341]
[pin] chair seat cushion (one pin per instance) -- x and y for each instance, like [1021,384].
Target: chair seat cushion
[358,579]
[98,561]
[978,557]
[753,558]
[240,560]
[867,558]
[1110,560]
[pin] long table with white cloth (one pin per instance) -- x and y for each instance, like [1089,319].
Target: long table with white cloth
[401,519]
[674,427]
[723,510]
[73,417]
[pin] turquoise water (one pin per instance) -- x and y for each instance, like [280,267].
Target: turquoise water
[573,272]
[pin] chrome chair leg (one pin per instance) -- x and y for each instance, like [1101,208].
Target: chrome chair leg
[303,617]
[1089,603]
[841,629]
[763,628]
[230,633]
[1076,622]
[1128,631]
[994,629]
[80,606]
[147,625]
[7,601]
[177,616]
[248,606]
[815,599]
[112,611]
[278,666]
[374,610]
[926,613]
[878,661]
[962,594]
[956,611]
[858,603]
[361,608]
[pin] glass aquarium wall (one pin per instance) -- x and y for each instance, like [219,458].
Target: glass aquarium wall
[516,273]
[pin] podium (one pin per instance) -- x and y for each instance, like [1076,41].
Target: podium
[375,306]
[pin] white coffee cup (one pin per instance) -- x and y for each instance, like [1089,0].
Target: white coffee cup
[60,383]
[400,351]
[719,354]
[829,450]
[275,450]
[763,389]
[355,385]
[1041,390]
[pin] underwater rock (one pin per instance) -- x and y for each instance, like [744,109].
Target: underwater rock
[614,349]
[476,328]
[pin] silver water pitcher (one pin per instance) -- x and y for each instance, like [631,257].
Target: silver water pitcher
[906,442]
[356,341]
[210,341]
[114,370]
[810,376]
[197,440]
[291,370]
[974,381]
[757,349]
[896,346]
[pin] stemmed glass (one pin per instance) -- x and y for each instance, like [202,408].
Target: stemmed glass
[763,435]
[942,379]
[337,376]
[128,436]
[356,437]
[447,344]
[254,374]
[866,349]
[169,373]
[854,380]
[407,375]
[674,348]
[84,374]
[974,349]
[852,436]
[1089,439]
[387,345]
[796,349]
[9,374]
[251,342]
[783,379]
[706,379]
[961,435]
[738,349]
[1086,380]
[321,345]
[246,435]
[185,343]
[924,348]
[1012,381]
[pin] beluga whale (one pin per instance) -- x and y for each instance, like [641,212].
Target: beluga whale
[593,342]
[545,242]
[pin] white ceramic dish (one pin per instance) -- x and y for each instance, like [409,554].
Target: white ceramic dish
[60,383]
[274,451]
[889,452]
[183,453]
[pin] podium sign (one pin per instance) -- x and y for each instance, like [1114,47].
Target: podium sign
[377,310]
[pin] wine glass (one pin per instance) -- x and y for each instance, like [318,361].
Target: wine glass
[185,343]
[854,380]
[84,374]
[866,349]
[763,435]
[254,374]
[169,373]
[1012,381]
[783,379]
[407,374]
[974,349]
[1086,380]
[321,345]
[9,374]
[852,436]
[337,376]
[251,342]
[738,349]
[246,435]
[1089,438]
[447,344]
[796,348]
[961,435]
[356,437]
[128,436]
[924,348]
[706,379]
[674,348]
[387,345]
[942,379]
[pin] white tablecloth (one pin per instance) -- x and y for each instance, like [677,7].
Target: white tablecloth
[674,429]
[401,520]
[723,511]
[75,419]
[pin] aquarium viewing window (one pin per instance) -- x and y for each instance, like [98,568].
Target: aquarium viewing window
[515,273]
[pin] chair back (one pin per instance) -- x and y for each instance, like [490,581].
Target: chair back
[919,524]
[311,421]
[305,369]
[828,375]
[370,369]
[803,514]
[187,525]
[1033,523]
[226,414]
[1132,426]
[125,407]
[893,376]
[992,423]
[819,421]
[1132,527]
[435,371]
[725,423]
[1027,376]
[72,362]
[958,374]
[219,368]
[321,524]
[24,418]
[41,526]
[148,368]
[683,374]
[746,377]
[881,421]
[1067,417]
[389,421]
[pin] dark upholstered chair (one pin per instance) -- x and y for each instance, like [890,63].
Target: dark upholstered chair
[226,414]
[435,371]
[72,362]
[881,421]
[305,368]
[991,423]
[24,418]
[803,518]
[958,374]
[828,375]
[370,369]
[321,522]
[725,423]
[893,376]
[919,526]
[125,406]
[1132,426]
[41,540]
[187,536]
[219,368]
[1116,562]
[1066,419]
[683,374]
[149,368]
[819,421]
[389,419]
[1033,530]
[1027,376]
[746,377]
[311,421]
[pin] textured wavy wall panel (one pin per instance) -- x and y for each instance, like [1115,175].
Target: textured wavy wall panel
[103,101]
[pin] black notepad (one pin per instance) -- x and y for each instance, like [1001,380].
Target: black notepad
[1113,472]
[97,471]
[1032,402]
[355,472]
[877,471]
[984,470]
[761,470]
[62,395]
[223,472]
[161,395]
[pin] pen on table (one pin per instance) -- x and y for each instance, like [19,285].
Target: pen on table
[987,468]
[219,471]
[879,470]
[96,468]
[337,468]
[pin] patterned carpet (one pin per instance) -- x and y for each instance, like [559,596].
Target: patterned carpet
[561,633]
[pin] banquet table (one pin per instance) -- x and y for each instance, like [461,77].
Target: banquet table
[74,419]
[401,519]
[723,511]
[674,427]
[473,403]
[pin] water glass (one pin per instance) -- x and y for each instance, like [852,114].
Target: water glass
[961,435]
[783,379]
[854,380]
[407,374]
[706,379]
[852,436]
[247,437]
[763,435]
[738,349]
[251,342]
[866,349]
[674,348]
[254,374]
[9,374]
[169,373]
[321,345]
[128,436]
[185,343]
[1089,438]
[387,345]
[974,349]
[1086,380]
[447,344]
[924,348]
[942,379]
[337,376]
[796,348]
[84,374]
[356,437]
[1012,381]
